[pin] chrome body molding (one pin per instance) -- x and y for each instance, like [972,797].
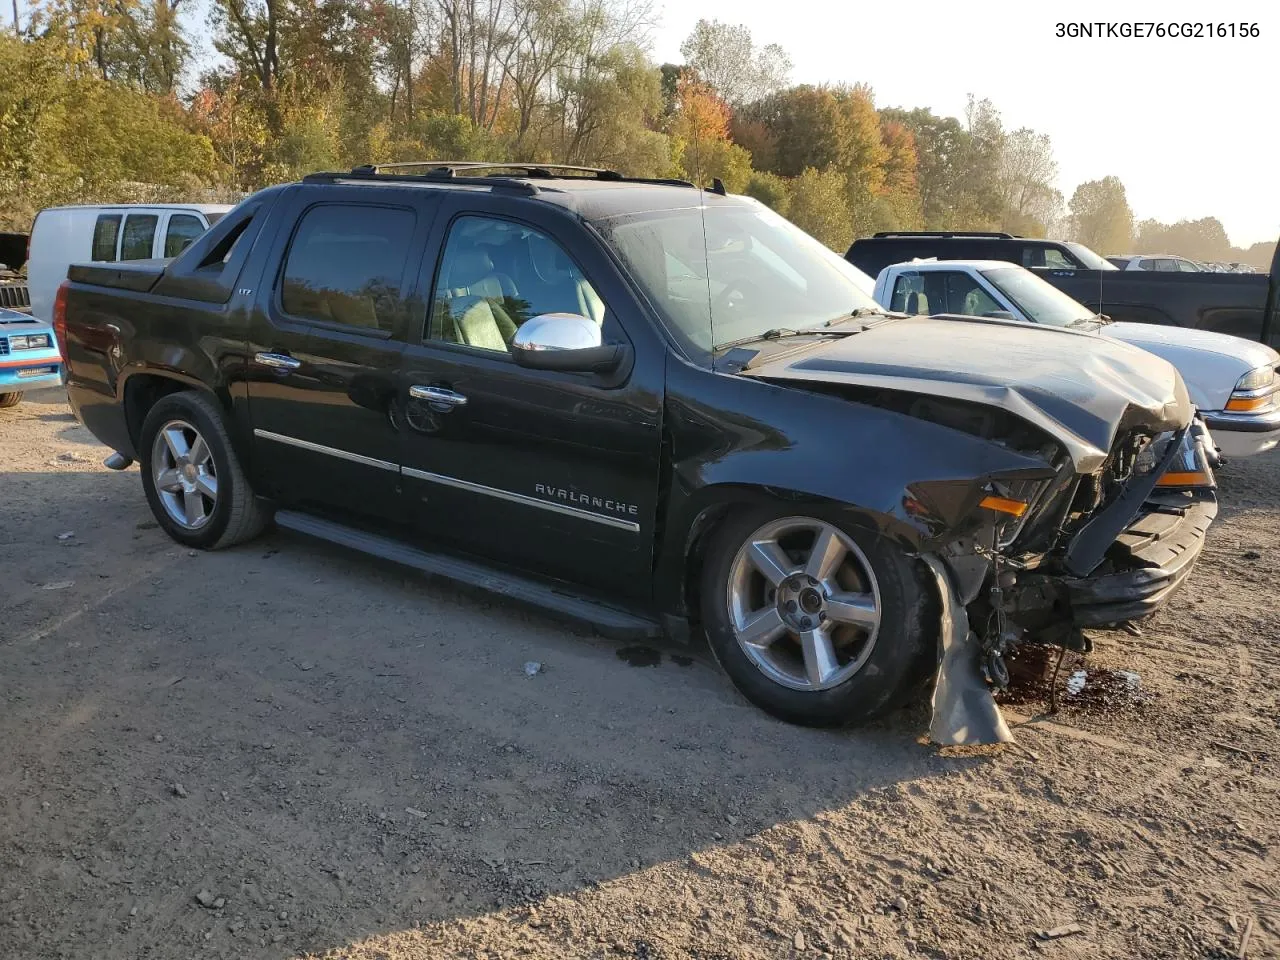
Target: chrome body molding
[618,523]
[331,451]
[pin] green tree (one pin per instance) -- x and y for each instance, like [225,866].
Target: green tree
[820,207]
[771,190]
[1100,216]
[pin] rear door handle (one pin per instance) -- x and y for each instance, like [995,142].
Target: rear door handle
[438,395]
[277,361]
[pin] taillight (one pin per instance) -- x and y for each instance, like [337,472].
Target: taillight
[60,317]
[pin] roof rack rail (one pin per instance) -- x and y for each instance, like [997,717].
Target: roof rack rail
[994,235]
[511,175]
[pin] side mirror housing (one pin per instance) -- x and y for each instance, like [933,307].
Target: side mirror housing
[564,341]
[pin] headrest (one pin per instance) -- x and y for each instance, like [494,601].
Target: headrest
[468,267]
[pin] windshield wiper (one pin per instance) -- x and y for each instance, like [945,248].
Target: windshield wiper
[778,333]
[854,315]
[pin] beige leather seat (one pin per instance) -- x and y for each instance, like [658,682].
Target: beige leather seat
[475,293]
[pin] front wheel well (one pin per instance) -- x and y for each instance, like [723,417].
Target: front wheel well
[701,532]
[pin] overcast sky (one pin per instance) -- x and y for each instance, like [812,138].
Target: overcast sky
[1189,126]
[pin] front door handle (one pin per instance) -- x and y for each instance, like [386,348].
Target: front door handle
[438,395]
[277,361]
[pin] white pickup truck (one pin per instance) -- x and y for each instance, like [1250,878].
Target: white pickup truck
[1235,382]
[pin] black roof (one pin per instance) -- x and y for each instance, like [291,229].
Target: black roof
[591,192]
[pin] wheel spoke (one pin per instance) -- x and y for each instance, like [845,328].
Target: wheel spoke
[170,481]
[770,559]
[193,507]
[858,609]
[207,484]
[199,451]
[824,559]
[820,662]
[762,629]
[176,442]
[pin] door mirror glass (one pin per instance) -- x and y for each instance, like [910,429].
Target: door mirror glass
[563,341]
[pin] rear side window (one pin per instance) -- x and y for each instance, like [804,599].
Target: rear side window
[139,235]
[346,265]
[182,230]
[105,233]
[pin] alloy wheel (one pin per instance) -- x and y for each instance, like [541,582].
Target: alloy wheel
[184,473]
[803,603]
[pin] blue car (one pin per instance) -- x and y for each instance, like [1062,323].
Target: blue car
[29,356]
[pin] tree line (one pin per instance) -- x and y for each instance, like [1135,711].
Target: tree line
[100,102]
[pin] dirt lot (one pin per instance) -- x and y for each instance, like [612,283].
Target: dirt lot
[342,759]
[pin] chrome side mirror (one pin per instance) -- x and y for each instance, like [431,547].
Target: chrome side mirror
[564,341]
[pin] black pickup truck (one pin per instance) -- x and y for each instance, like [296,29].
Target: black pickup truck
[647,406]
[1243,304]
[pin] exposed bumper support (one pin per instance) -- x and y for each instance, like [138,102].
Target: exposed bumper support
[964,711]
[1159,550]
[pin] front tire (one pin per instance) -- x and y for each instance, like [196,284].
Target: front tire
[818,623]
[10,399]
[192,477]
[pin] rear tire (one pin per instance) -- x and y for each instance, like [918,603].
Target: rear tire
[816,622]
[10,399]
[192,477]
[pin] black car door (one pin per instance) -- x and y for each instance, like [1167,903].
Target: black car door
[325,345]
[552,472]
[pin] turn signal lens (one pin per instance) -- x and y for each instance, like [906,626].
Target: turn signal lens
[1185,478]
[1015,508]
[1249,404]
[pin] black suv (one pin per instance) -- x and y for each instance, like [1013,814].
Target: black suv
[645,405]
[872,254]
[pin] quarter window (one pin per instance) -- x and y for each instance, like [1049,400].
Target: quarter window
[139,235]
[346,265]
[181,232]
[495,275]
[106,231]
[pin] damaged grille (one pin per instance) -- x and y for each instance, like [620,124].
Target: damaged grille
[1134,454]
[1069,501]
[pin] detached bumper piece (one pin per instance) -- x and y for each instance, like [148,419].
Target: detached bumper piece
[1148,561]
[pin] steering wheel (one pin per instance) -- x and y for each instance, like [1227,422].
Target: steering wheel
[735,292]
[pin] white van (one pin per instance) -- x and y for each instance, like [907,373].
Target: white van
[62,236]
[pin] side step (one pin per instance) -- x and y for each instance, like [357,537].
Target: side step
[607,619]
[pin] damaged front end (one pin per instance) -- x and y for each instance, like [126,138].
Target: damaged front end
[1063,554]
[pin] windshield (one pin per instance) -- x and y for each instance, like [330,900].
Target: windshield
[1040,301]
[1090,259]
[749,271]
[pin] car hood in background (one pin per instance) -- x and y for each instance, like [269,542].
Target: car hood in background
[1210,363]
[1080,388]
[14,323]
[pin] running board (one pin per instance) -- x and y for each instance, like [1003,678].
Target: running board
[607,619]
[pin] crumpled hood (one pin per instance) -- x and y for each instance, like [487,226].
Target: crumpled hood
[1081,389]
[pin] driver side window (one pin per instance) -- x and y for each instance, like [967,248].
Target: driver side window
[966,297]
[495,275]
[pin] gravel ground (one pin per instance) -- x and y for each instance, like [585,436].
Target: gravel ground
[286,750]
